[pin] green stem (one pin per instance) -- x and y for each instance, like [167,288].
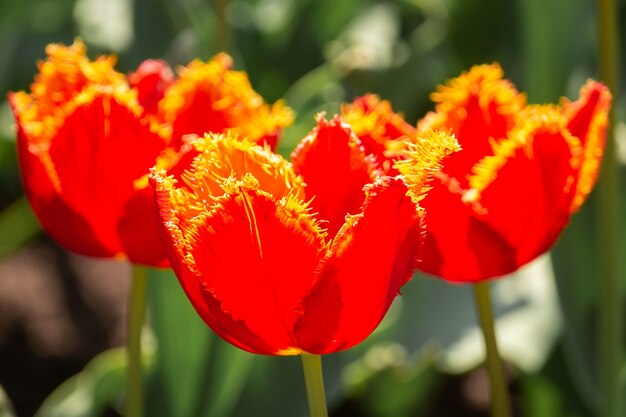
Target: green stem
[500,404]
[312,365]
[222,35]
[136,313]
[611,302]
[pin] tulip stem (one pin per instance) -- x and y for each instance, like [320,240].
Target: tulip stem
[136,313]
[500,404]
[611,292]
[222,35]
[312,365]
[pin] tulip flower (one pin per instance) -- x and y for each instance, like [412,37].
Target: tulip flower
[151,79]
[211,97]
[381,131]
[88,135]
[264,269]
[506,197]
[82,146]
[523,171]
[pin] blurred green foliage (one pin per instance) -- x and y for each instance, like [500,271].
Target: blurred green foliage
[91,391]
[316,54]
[6,409]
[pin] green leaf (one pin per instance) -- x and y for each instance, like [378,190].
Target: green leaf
[196,374]
[276,386]
[228,374]
[87,394]
[310,86]
[552,393]
[183,347]
[6,408]
[387,383]
[576,265]
[18,225]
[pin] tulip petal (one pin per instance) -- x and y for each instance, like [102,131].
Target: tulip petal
[376,125]
[458,247]
[208,308]
[64,225]
[477,107]
[244,253]
[373,255]
[138,229]
[63,76]
[334,167]
[530,183]
[91,159]
[151,79]
[588,118]
[227,155]
[210,97]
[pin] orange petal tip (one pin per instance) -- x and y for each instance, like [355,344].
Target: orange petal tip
[424,158]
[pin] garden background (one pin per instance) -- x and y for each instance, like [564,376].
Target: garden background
[60,312]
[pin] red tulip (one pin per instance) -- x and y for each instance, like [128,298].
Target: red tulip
[522,172]
[254,258]
[87,137]
[338,191]
[151,79]
[381,132]
[211,97]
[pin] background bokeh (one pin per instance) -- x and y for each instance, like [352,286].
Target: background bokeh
[62,316]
